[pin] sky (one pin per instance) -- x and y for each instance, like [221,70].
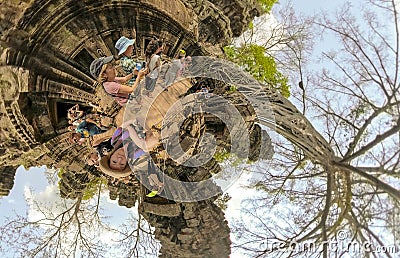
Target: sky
[32,186]
[311,7]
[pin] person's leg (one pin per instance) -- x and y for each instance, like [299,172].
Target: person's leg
[151,87]
[148,143]
[137,94]
[169,78]
[119,118]
[152,139]
[147,84]
[153,180]
[94,129]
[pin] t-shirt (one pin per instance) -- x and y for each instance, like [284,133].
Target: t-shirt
[119,136]
[153,70]
[112,88]
[129,65]
[88,129]
[172,71]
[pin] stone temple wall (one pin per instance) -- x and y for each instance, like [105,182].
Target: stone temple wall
[200,230]
[46,47]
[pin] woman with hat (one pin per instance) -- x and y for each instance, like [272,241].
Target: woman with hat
[128,147]
[153,59]
[103,70]
[174,68]
[125,48]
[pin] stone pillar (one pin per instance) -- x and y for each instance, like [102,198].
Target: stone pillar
[200,230]
[7,175]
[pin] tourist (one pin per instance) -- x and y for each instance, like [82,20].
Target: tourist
[128,148]
[74,115]
[125,49]
[87,128]
[187,64]
[153,60]
[174,69]
[104,71]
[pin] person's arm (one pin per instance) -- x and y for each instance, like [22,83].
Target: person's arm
[146,144]
[69,115]
[124,79]
[75,108]
[81,141]
[89,120]
[158,65]
[78,114]
[128,90]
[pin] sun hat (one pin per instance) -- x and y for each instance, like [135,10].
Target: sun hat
[104,166]
[97,65]
[182,53]
[123,43]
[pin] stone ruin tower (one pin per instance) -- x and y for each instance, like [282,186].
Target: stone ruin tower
[46,47]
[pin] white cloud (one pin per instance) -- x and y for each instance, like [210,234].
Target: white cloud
[44,203]
[263,27]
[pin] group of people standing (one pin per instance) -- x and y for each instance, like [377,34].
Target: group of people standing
[129,86]
[85,125]
[115,150]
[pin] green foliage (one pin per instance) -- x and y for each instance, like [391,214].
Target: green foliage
[93,187]
[251,25]
[60,172]
[267,4]
[232,89]
[221,156]
[358,111]
[261,187]
[236,161]
[232,159]
[252,58]
[222,201]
